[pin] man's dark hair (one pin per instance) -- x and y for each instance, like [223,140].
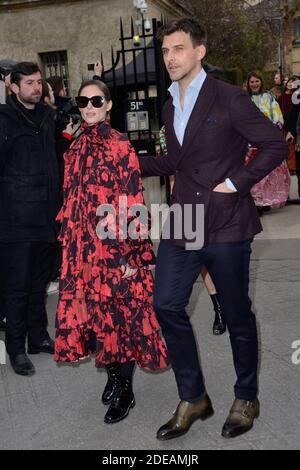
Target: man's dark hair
[57,84]
[21,70]
[187,25]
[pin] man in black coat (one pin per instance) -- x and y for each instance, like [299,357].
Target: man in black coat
[208,126]
[29,203]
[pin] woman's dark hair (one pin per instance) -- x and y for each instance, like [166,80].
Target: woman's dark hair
[23,69]
[291,79]
[256,75]
[45,90]
[57,84]
[102,87]
[187,25]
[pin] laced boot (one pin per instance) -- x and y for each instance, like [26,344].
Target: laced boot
[219,326]
[123,400]
[113,372]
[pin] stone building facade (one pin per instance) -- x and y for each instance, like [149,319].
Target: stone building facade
[296,46]
[73,33]
[64,36]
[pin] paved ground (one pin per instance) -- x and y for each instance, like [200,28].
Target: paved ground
[59,407]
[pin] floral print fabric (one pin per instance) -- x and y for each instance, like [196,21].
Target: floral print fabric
[98,310]
[273,190]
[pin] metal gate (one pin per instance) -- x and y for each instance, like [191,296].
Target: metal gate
[138,83]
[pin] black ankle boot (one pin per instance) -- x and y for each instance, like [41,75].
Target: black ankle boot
[122,401]
[219,326]
[113,372]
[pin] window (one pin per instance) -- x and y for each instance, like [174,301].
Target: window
[56,63]
[297,26]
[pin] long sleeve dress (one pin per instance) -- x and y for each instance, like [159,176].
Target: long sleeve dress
[98,311]
[273,190]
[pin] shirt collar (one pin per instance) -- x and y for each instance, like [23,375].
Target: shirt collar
[196,84]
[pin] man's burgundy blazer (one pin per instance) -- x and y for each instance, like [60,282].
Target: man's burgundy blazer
[224,120]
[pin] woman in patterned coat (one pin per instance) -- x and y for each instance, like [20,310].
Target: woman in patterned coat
[273,190]
[105,292]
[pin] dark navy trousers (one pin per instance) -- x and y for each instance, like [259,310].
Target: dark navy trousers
[176,272]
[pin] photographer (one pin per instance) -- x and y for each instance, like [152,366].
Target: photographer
[5,71]
[29,196]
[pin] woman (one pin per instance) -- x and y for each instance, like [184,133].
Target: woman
[105,292]
[277,85]
[285,100]
[273,190]
[286,106]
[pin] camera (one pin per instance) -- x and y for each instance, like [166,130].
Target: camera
[6,66]
[2,74]
[141,5]
[67,111]
[147,25]
[90,67]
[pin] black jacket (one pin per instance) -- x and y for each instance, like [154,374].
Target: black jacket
[29,177]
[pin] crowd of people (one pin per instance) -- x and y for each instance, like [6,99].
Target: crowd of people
[226,151]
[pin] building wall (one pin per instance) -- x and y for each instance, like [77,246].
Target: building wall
[84,28]
[296,59]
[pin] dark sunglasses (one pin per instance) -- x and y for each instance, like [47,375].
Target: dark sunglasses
[97,101]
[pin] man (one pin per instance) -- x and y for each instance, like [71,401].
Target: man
[29,199]
[5,70]
[208,126]
[277,86]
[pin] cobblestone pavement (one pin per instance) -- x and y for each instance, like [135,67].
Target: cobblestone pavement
[60,408]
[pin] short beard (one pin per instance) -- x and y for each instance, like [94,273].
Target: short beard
[25,100]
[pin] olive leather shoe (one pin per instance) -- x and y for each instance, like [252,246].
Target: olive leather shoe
[184,416]
[240,418]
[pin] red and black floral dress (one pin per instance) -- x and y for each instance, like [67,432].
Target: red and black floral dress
[98,311]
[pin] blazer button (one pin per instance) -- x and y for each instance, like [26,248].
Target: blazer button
[198,194]
[177,171]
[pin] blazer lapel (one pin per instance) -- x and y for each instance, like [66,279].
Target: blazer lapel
[169,123]
[202,106]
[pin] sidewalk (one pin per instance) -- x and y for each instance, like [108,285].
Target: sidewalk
[60,408]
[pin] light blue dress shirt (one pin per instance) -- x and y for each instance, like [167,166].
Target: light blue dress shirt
[181,117]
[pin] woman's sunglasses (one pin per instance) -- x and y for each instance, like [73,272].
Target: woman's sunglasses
[97,101]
